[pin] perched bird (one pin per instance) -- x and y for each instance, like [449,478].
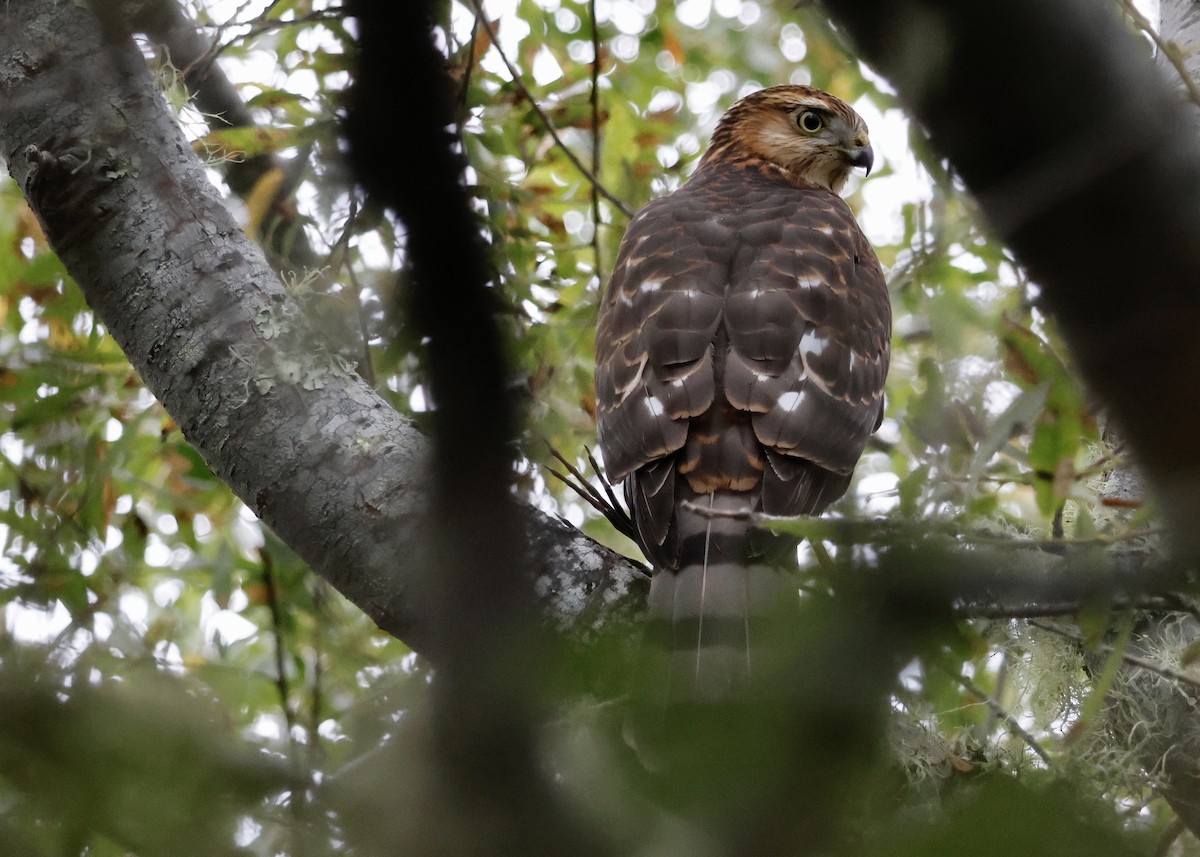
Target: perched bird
[741,350]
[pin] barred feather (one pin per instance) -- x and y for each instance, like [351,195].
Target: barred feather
[741,351]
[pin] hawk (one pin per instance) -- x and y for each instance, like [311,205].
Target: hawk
[741,350]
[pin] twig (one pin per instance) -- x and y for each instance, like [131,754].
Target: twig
[1172,832]
[463,112]
[595,99]
[545,119]
[317,698]
[1000,711]
[341,250]
[281,681]
[1133,660]
[609,507]
[612,498]
[1169,49]
[263,25]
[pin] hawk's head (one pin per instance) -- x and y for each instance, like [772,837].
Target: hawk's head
[809,133]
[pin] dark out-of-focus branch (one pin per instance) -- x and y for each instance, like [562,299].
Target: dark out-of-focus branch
[474,555]
[1087,163]
[1084,161]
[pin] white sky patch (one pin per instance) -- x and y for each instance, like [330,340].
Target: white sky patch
[157,554]
[225,626]
[134,608]
[878,491]
[626,17]
[267,726]
[792,43]
[247,531]
[167,592]
[693,13]
[998,395]
[884,197]
[545,69]
[35,625]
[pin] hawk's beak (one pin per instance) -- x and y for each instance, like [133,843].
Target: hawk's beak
[861,156]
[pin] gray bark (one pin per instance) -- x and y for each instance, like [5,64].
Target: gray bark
[336,472]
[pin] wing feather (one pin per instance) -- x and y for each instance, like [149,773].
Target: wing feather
[742,344]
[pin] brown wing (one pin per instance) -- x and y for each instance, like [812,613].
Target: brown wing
[751,316]
[809,328]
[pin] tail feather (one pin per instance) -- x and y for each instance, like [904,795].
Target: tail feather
[704,615]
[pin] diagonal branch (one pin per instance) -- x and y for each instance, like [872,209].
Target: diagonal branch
[1167,48]
[515,73]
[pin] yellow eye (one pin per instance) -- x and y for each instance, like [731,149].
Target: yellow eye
[810,121]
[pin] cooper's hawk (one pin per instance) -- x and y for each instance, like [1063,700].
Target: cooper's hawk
[741,352]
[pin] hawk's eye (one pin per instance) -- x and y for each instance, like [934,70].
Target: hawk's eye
[810,121]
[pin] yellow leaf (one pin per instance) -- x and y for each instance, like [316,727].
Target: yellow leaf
[260,198]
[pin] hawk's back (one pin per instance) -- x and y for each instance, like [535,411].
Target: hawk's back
[741,350]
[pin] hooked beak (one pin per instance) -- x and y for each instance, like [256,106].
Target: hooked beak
[861,156]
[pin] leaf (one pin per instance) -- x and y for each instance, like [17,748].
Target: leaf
[1016,416]
[63,405]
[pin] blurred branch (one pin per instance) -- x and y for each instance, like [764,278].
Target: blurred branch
[1169,49]
[1110,185]
[483,693]
[1000,711]
[594,97]
[281,679]
[515,73]
[269,25]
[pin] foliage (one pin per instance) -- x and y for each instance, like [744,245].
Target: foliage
[166,665]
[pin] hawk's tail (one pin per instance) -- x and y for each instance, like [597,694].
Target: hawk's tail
[705,617]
